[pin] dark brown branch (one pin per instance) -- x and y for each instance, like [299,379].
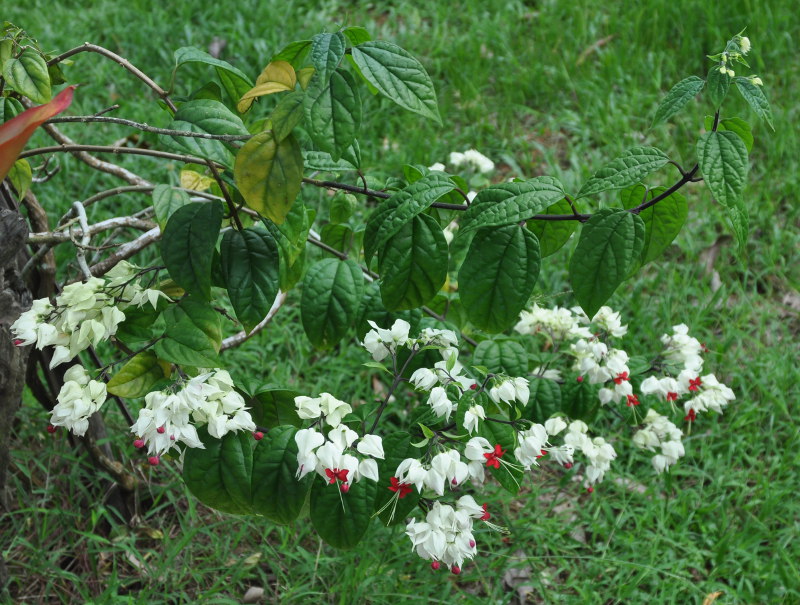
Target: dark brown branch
[87,47]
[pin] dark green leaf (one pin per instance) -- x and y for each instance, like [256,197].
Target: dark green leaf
[737,125]
[357,35]
[250,267]
[271,407]
[398,76]
[544,400]
[628,169]
[501,356]
[677,98]
[276,492]
[332,109]
[208,117]
[188,245]
[498,276]
[579,400]
[294,53]
[27,74]
[342,519]
[327,51]
[9,108]
[609,246]
[503,434]
[220,475]
[391,215]
[136,377]
[193,335]
[234,81]
[717,86]
[756,98]
[413,264]
[166,200]
[553,234]
[342,207]
[332,291]
[287,114]
[511,202]
[723,161]
[323,162]
[662,222]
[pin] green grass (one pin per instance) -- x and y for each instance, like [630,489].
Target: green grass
[510,83]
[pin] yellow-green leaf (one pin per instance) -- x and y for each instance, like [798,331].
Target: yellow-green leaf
[268,174]
[137,376]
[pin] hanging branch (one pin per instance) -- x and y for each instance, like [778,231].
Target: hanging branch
[147,128]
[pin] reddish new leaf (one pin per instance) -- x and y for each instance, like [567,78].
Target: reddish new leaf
[16,132]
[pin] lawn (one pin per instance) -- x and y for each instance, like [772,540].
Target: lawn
[542,88]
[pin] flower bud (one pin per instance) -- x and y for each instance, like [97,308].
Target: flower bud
[455,569]
[161,430]
[138,444]
[258,435]
[435,565]
[51,429]
[153,460]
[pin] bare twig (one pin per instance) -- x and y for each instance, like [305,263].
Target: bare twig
[80,252]
[125,251]
[237,339]
[147,128]
[72,148]
[87,47]
[56,237]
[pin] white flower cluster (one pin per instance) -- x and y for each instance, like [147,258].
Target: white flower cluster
[331,458]
[169,418]
[84,314]
[558,323]
[598,452]
[79,398]
[659,432]
[446,533]
[471,158]
[445,469]
[326,405]
[382,343]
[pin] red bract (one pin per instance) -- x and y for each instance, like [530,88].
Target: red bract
[16,132]
[402,489]
[493,458]
[691,416]
[695,383]
[621,377]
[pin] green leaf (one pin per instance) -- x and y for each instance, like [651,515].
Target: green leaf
[9,108]
[397,447]
[740,222]
[251,268]
[272,406]
[268,174]
[391,215]
[27,74]
[610,244]
[503,434]
[356,35]
[340,237]
[166,200]
[511,203]
[717,86]
[579,400]
[291,236]
[294,53]
[677,98]
[323,162]
[737,125]
[327,51]
[413,264]
[756,98]
[332,109]
[544,399]
[342,207]
[234,81]
[662,222]
[21,177]
[628,169]
[723,161]
[287,114]
[553,234]
[342,519]
[187,246]
[136,377]
[193,335]
[498,275]
[208,117]
[501,356]
[220,475]
[276,492]
[332,291]
[398,76]
[141,325]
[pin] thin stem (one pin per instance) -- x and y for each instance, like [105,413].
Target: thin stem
[147,128]
[87,47]
[115,150]
[345,187]
[395,383]
[225,194]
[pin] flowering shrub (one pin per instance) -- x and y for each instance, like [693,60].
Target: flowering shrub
[233,240]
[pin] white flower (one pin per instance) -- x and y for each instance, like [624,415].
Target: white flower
[441,405]
[371,445]
[477,160]
[554,426]
[79,398]
[333,409]
[437,166]
[504,390]
[307,408]
[472,416]
[756,81]
[380,342]
[446,536]
[476,448]
[609,321]
[713,395]
[744,44]
[424,379]
[411,470]
[438,338]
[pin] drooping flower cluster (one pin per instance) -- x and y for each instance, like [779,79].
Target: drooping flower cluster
[332,456]
[84,314]
[79,398]
[470,159]
[170,417]
[446,533]
[659,432]
[382,343]
[326,405]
